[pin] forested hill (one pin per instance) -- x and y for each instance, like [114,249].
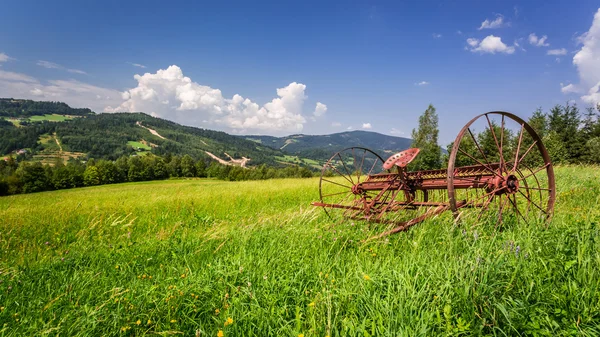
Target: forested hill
[10,107]
[110,136]
[46,131]
[322,147]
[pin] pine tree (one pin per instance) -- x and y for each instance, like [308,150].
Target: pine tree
[426,139]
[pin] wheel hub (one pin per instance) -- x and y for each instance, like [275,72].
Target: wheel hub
[506,185]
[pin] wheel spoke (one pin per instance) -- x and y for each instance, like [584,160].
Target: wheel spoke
[345,168]
[480,163]
[333,182]
[482,196]
[502,165]
[332,194]
[526,152]
[534,204]
[518,148]
[536,171]
[478,147]
[362,161]
[341,174]
[500,210]
[495,140]
[517,209]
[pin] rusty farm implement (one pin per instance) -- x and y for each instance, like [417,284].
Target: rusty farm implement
[498,170]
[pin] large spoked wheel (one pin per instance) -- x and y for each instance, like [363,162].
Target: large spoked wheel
[341,173]
[500,170]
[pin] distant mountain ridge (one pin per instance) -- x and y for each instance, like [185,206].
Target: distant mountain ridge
[320,147]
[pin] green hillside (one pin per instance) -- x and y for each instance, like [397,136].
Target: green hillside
[110,136]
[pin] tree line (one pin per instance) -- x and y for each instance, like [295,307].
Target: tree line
[28,177]
[24,108]
[569,135]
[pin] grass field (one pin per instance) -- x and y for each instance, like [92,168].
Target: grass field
[139,145]
[213,258]
[51,118]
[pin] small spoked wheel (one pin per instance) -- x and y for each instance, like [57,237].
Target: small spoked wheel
[340,176]
[500,170]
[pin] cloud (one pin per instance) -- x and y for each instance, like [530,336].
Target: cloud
[490,44]
[72,92]
[497,23]
[472,42]
[52,65]
[320,109]
[422,83]
[49,65]
[569,88]
[436,36]
[76,71]
[367,126]
[171,95]
[349,128]
[538,42]
[587,61]
[137,65]
[561,51]
[4,57]
[336,124]
[9,76]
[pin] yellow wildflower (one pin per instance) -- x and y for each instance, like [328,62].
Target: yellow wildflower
[220,333]
[138,322]
[117,267]
[182,275]
[229,321]
[149,322]
[300,335]
[217,311]
[311,304]
[173,320]
[367,277]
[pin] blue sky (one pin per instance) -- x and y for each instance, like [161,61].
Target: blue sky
[340,65]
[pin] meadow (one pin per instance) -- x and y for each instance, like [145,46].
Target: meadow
[214,258]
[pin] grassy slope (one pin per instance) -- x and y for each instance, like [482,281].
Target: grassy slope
[79,262]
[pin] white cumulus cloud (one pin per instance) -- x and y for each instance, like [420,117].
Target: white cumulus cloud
[4,57]
[490,44]
[587,61]
[436,35]
[320,109]
[367,126]
[569,88]
[561,51]
[538,41]
[191,103]
[496,23]
[422,83]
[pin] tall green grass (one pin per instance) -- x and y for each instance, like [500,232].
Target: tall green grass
[184,256]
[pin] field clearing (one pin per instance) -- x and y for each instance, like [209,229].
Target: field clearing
[139,145]
[50,118]
[190,256]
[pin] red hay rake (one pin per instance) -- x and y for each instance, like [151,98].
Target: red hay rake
[502,174]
